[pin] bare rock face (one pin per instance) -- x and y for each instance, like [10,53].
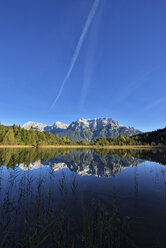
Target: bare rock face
[85,129]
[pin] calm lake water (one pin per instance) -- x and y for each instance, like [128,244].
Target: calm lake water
[73,187]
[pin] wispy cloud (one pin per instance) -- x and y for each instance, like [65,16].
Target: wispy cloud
[90,57]
[156,103]
[78,48]
[131,85]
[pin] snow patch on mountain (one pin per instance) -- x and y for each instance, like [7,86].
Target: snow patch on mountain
[57,126]
[35,125]
[61,125]
[85,129]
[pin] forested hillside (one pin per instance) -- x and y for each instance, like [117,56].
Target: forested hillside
[15,135]
[153,138]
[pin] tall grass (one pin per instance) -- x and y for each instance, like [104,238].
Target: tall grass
[33,215]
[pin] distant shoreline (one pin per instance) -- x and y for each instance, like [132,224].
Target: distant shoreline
[86,147]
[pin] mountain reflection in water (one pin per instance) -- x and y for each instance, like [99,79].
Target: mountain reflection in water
[129,183]
[86,163]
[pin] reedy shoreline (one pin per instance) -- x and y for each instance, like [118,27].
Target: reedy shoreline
[86,146]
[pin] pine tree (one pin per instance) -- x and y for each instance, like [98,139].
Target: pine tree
[9,138]
[33,137]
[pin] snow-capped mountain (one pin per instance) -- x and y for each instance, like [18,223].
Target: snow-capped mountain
[57,126]
[35,125]
[85,129]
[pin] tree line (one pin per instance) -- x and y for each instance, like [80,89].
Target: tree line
[154,138]
[15,135]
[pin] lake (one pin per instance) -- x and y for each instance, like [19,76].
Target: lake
[82,198]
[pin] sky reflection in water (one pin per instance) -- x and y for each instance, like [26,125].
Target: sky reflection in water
[138,183]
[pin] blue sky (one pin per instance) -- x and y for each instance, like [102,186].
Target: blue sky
[119,71]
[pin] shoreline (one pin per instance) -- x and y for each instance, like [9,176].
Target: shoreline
[85,147]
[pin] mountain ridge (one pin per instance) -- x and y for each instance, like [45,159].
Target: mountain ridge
[85,129]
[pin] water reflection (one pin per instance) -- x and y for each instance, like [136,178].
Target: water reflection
[41,184]
[87,161]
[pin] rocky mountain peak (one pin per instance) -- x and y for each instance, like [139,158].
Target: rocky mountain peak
[60,125]
[85,129]
[35,125]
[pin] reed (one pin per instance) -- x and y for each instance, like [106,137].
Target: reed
[33,217]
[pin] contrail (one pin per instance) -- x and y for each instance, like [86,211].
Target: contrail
[78,47]
[156,103]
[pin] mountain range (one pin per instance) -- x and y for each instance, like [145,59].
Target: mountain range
[85,129]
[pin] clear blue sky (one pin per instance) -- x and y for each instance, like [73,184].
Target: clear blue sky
[120,71]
